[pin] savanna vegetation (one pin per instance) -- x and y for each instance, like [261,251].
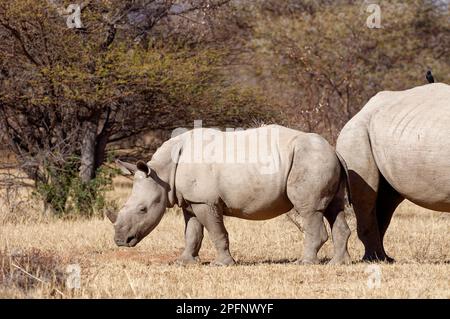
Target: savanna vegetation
[68,94]
[76,94]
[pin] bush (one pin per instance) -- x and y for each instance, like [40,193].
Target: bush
[66,194]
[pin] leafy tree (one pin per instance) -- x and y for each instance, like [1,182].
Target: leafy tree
[66,94]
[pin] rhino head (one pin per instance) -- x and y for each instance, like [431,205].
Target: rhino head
[144,208]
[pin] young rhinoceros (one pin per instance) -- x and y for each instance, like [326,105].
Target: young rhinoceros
[255,174]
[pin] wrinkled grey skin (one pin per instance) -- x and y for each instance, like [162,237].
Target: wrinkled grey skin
[397,147]
[310,180]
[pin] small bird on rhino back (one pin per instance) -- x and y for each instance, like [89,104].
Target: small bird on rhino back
[430,77]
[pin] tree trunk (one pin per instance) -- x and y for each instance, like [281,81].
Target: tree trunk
[100,148]
[87,165]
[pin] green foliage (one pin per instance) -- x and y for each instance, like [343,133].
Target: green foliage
[55,185]
[89,198]
[66,194]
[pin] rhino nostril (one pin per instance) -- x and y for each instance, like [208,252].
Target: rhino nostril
[129,239]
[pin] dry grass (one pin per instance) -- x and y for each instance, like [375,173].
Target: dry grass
[417,238]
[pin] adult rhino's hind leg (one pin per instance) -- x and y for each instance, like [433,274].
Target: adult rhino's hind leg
[387,201]
[354,146]
[193,236]
[211,216]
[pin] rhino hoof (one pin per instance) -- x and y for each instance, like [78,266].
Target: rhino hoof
[308,261]
[226,262]
[376,258]
[184,261]
[345,260]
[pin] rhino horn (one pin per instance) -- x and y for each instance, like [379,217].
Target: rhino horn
[112,216]
[126,168]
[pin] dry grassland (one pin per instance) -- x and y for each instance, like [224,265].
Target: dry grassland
[43,247]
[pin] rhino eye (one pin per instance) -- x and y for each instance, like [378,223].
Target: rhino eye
[142,210]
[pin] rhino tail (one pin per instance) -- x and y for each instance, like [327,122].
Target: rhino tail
[345,181]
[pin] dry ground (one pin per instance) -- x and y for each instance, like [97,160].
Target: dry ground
[418,239]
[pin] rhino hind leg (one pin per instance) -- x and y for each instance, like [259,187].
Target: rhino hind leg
[310,188]
[388,200]
[211,216]
[373,211]
[364,178]
[193,236]
[306,208]
[314,238]
[340,232]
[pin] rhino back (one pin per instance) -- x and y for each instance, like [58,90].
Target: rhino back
[250,189]
[410,139]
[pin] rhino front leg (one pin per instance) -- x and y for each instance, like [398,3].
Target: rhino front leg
[193,236]
[211,217]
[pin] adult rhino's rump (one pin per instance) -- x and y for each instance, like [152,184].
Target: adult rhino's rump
[397,147]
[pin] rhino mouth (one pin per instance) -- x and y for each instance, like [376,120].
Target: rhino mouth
[130,241]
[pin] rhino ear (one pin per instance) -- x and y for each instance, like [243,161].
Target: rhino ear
[126,168]
[143,167]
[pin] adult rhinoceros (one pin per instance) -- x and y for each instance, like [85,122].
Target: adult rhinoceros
[397,147]
[254,174]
